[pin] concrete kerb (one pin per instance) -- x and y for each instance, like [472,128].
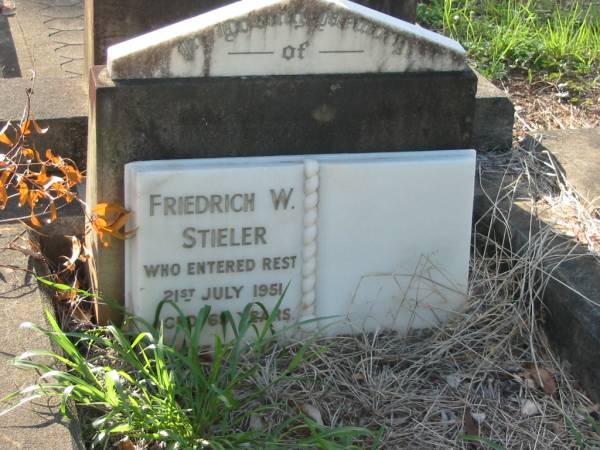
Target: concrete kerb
[569,315]
[39,424]
[577,154]
[494,117]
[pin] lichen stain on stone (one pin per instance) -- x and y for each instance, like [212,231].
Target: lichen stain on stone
[313,12]
[324,114]
[208,42]
[144,63]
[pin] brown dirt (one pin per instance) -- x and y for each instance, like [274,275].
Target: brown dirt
[544,106]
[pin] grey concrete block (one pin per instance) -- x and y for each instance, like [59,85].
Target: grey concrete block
[494,117]
[577,154]
[220,117]
[59,103]
[571,321]
[39,424]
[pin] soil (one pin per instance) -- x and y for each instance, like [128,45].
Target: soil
[541,105]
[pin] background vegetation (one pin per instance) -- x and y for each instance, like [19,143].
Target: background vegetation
[556,40]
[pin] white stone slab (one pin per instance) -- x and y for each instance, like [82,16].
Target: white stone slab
[380,241]
[285,37]
[394,240]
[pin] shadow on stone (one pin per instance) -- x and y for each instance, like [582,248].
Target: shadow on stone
[570,312]
[9,63]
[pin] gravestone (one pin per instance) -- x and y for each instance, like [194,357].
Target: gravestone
[163,97]
[284,38]
[370,255]
[109,22]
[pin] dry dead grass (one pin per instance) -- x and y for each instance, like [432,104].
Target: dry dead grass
[475,375]
[544,106]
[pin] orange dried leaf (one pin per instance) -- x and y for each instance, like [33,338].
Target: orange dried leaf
[69,197]
[3,197]
[38,129]
[75,253]
[121,221]
[126,445]
[542,378]
[5,174]
[25,128]
[34,197]
[31,154]
[23,192]
[99,223]
[41,178]
[53,212]
[5,139]
[105,209]
[34,220]
[109,219]
[73,175]
[54,158]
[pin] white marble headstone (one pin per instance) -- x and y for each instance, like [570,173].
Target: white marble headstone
[285,37]
[372,241]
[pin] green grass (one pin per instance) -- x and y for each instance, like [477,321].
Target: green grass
[530,36]
[141,387]
[585,443]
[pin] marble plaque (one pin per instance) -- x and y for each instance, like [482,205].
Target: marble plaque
[285,37]
[370,241]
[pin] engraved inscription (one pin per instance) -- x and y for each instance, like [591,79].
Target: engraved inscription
[291,52]
[231,29]
[196,281]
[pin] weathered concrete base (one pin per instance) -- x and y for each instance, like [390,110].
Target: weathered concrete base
[494,118]
[260,116]
[577,154]
[571,321]
[38,425]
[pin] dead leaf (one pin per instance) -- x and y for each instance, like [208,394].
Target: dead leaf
[470,427]
[82,315]
[25,131]
[23,192]
[3,196]
[542,378]
[53,212]
[31,154]
[479,417]
[38,129]
[109,219]
[34,220]
[41,178]
[5,139]
[73,175]
[454,380]
[55,159]
[6,173]
[126,444]
[529,408]
[312,412]
[75,254]
[256,423]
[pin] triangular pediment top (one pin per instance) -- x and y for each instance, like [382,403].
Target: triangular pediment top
[285,37]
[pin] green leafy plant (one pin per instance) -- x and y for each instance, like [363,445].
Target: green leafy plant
[523,35]
[583,442]
[144,388]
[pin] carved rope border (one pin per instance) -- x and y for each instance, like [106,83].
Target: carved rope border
[309,250]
